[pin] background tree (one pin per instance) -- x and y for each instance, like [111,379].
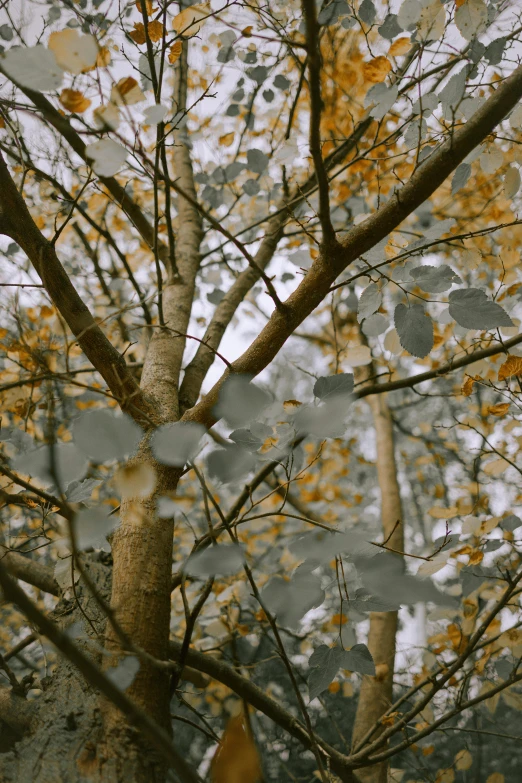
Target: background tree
[226,579]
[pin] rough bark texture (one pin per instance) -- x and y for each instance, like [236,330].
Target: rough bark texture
[376,692]
[65,730]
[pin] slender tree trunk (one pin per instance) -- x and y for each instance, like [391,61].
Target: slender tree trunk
[376,692]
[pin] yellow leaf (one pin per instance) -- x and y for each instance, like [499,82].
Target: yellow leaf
[74,101]
[495,777]
[247,31]
[188,22]
[443,513]
[148,6]
[428,750]
[136,480]
[74,52]
[104,57]
[127,91]
[236,759]
[400,46]
[512,366]
[227,139]
[476,557]
[445,776]
[499,410]
[175,52]
[377,69]
[463,759]
[334,687]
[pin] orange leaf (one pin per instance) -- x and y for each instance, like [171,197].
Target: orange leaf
[377,69]
[74,101]
[155,31]
[227,139]
[499,410]
[175,52]
[512,366]
[138,34]
[400,46]
[467,386]
[236,759]
[104,57]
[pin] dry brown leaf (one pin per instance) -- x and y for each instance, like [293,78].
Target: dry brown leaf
[127,91]
[74,101]
[499,410]
[175,52]
[138,34]
[236,759]
[512,366]
[377,69]
[400,46]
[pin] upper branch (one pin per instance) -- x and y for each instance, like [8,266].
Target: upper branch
[316,105]
[361,238]
[16,222]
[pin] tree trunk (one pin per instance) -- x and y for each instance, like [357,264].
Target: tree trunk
[376,692]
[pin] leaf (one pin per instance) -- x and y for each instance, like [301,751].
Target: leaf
[471,309]
[383,98]
[364,602]
[369,302]
[34,67]
[106,157]
[105,436]
[74,52]
[155,30]
[176,443]
[92,526]
[124,674]
[467,386]
[432,20]
[461,176]
[290,601]
[471,18]
[138,34]
[358,659]
[175,52]
[231,463]
[377,69]
[107,116]
[333,386]
[511,367]
[409,13]
[155,114]
[499,410]
[392,342]
[375,325]
[240,401]
[236,759]
[127,92]
[358,356]
[434,279]
[511,182]
[227,139]
[135,480]
[222,560]
[385,577]
[511,522]
[189,21]
[74,101]
[257,161]
[400,46]
[415,329]
[70,464]
[325,662]
[367,12]
[80,491]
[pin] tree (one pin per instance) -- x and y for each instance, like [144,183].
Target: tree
[324,196]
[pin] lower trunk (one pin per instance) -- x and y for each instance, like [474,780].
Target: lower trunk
[376,692]
[142,575]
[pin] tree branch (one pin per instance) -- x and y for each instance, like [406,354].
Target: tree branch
[17,223]
[315,286]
